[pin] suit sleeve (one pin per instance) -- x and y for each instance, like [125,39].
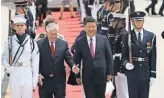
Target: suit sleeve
[82,33]
[125,50]
[109,57]
[68,57]
[153,58]
[77,57]
[35,64]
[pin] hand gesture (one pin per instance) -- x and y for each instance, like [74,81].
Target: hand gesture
[78,80]
[109,77]
[41,79]
[75,69]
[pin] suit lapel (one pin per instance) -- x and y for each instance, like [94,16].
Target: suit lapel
[134,38]
[47,48]
[97,45]
[144,37]
[88,47]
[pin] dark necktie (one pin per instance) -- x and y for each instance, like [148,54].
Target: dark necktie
[139,38]
[91,48]
[52,49]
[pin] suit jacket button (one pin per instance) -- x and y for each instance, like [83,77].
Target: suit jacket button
[140,51]
[140,64]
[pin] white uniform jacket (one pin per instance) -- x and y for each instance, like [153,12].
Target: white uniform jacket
[29,59]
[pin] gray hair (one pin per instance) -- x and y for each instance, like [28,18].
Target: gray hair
[52,26]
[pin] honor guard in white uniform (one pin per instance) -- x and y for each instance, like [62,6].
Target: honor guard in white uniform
[25,61]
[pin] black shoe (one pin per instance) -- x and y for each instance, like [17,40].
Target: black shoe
[160,13]
[154,13]
[147,10]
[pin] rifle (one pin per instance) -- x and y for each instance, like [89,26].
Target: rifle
[10,40]
[129,35]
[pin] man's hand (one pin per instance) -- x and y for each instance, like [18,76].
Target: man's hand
[75,69]
[129,66]
[41,79]
[109,77]
[78,80]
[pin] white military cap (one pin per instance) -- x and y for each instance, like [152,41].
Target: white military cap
[118,16]
[19,19]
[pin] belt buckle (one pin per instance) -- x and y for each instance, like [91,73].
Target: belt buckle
[140,59]
[19,64]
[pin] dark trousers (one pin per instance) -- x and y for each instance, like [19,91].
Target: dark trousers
[42,13]
[88,9]
[162,7]
[138,88]
[59,92]
[126,4]
[152,6]
[94,90]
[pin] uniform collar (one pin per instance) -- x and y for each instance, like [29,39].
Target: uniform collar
[138,32]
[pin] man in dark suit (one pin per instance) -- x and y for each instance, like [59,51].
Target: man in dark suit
[140,69]
[95,52]
[52,75]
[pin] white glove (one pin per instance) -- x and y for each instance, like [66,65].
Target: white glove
[121,74]
[151,81]
[129,66]
[9,69]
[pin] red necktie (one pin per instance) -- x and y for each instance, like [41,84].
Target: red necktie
[91,48]
[52,49]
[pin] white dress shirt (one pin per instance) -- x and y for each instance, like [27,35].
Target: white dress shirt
[93,41]
[142,34]
[53,44]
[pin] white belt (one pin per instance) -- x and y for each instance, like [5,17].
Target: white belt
[140,59]
[117,55]
[21,64]
[104,28]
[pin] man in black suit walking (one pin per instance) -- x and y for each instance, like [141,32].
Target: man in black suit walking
[95,52]
[52,75]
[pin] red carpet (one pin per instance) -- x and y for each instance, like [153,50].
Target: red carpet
[70,28]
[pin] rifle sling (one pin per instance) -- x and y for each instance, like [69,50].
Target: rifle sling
[22,45]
